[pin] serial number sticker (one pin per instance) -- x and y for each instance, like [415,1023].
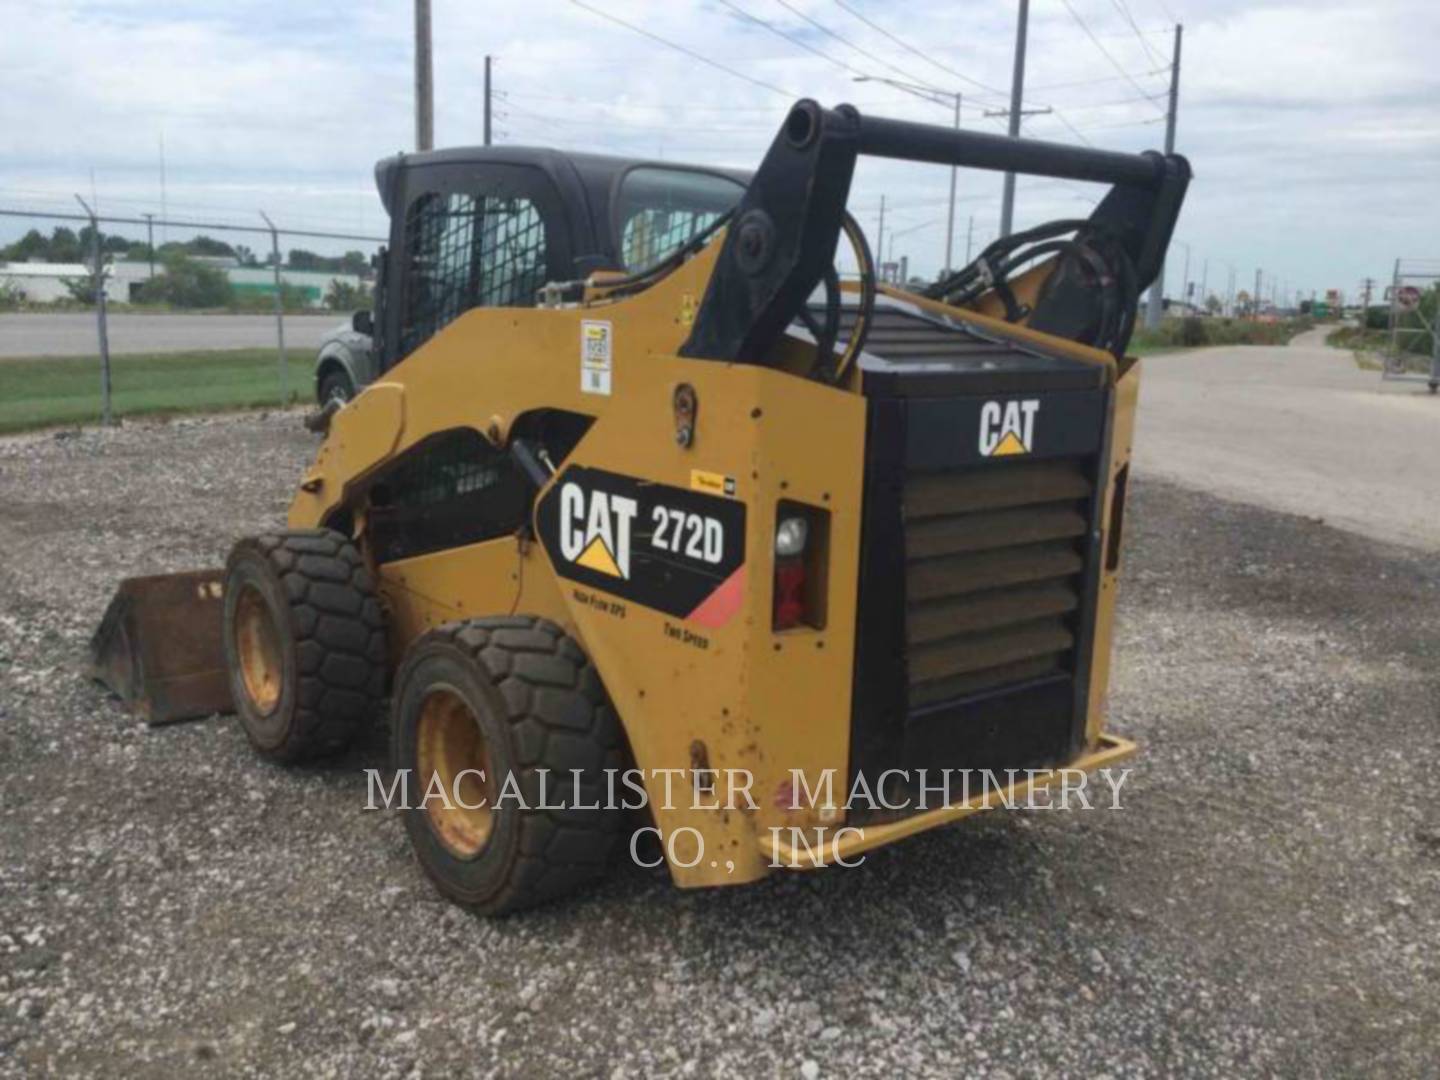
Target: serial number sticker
[596,357]
[712,483]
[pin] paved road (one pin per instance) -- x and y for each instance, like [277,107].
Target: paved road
[74,334]
[1297,428]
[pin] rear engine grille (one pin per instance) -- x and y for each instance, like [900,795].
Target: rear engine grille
[994,558]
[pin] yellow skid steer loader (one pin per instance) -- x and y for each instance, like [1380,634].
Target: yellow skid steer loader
[649,486]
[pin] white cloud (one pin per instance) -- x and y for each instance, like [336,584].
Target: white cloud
[1312,128]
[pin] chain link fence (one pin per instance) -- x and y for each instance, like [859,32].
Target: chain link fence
[1412,352]
[100,276]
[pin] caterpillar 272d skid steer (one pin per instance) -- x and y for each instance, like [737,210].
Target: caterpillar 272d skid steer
[653,502]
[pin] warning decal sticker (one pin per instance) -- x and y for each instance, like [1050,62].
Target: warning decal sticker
[596,356]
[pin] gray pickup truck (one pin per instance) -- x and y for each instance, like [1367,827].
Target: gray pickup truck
[345,362]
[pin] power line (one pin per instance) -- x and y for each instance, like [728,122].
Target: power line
[687,51]
[912,49]
[1151,98]
[851,45]
[1104,79]
[596,103]
[1096,42]
[1166,9]
[742,13]
[1125,123]
[1073,129]
[679,106]
[1124,10]
[753,129]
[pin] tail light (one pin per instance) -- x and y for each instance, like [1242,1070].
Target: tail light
[801,551]
[789,593]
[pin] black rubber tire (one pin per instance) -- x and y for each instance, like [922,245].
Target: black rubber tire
[540,705]
[320,598]
[335,384]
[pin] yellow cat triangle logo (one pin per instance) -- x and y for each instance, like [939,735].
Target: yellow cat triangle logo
[597,557]
[1010,444]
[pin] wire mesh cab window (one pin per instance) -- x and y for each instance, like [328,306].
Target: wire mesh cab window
[658,210]
[452,490]
[469,249]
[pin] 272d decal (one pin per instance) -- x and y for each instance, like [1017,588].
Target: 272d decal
[668,548]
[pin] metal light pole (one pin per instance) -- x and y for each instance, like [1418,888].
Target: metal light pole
[98,284]
[939,97]
[1017,94]
[1185,276]
[880,237]
[1157,287]
[279,312]
[950,218]
[424,82]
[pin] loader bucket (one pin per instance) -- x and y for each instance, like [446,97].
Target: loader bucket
[160,646]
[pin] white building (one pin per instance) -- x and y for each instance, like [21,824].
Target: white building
[44,283]
[261,279]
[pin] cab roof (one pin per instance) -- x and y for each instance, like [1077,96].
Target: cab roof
[597,174]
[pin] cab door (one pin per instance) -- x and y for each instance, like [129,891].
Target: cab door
[469,235]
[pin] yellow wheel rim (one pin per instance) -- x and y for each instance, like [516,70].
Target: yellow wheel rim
[257,641]
[453,757]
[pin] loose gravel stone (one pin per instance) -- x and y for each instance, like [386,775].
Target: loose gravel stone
[1266,903]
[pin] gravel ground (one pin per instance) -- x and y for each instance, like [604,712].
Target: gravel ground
[1265,903]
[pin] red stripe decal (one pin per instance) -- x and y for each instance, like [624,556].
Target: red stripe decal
[721,605]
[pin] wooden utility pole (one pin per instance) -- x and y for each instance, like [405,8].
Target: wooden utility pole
[487,101]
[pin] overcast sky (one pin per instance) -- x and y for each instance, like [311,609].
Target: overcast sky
[1313,129]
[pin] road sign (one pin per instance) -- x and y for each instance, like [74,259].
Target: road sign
[1407,298]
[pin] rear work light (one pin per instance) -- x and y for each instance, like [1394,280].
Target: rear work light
[801,554]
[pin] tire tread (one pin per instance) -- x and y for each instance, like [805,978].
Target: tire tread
[339,633]
[558,718]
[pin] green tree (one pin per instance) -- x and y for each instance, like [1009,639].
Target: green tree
[64,246]
[32,245]
[300,259]
[342,296]
[187,284]
[208,245]
[354,262]
[81,289]
[1213,304]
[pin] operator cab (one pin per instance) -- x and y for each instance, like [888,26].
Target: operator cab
[490,226]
